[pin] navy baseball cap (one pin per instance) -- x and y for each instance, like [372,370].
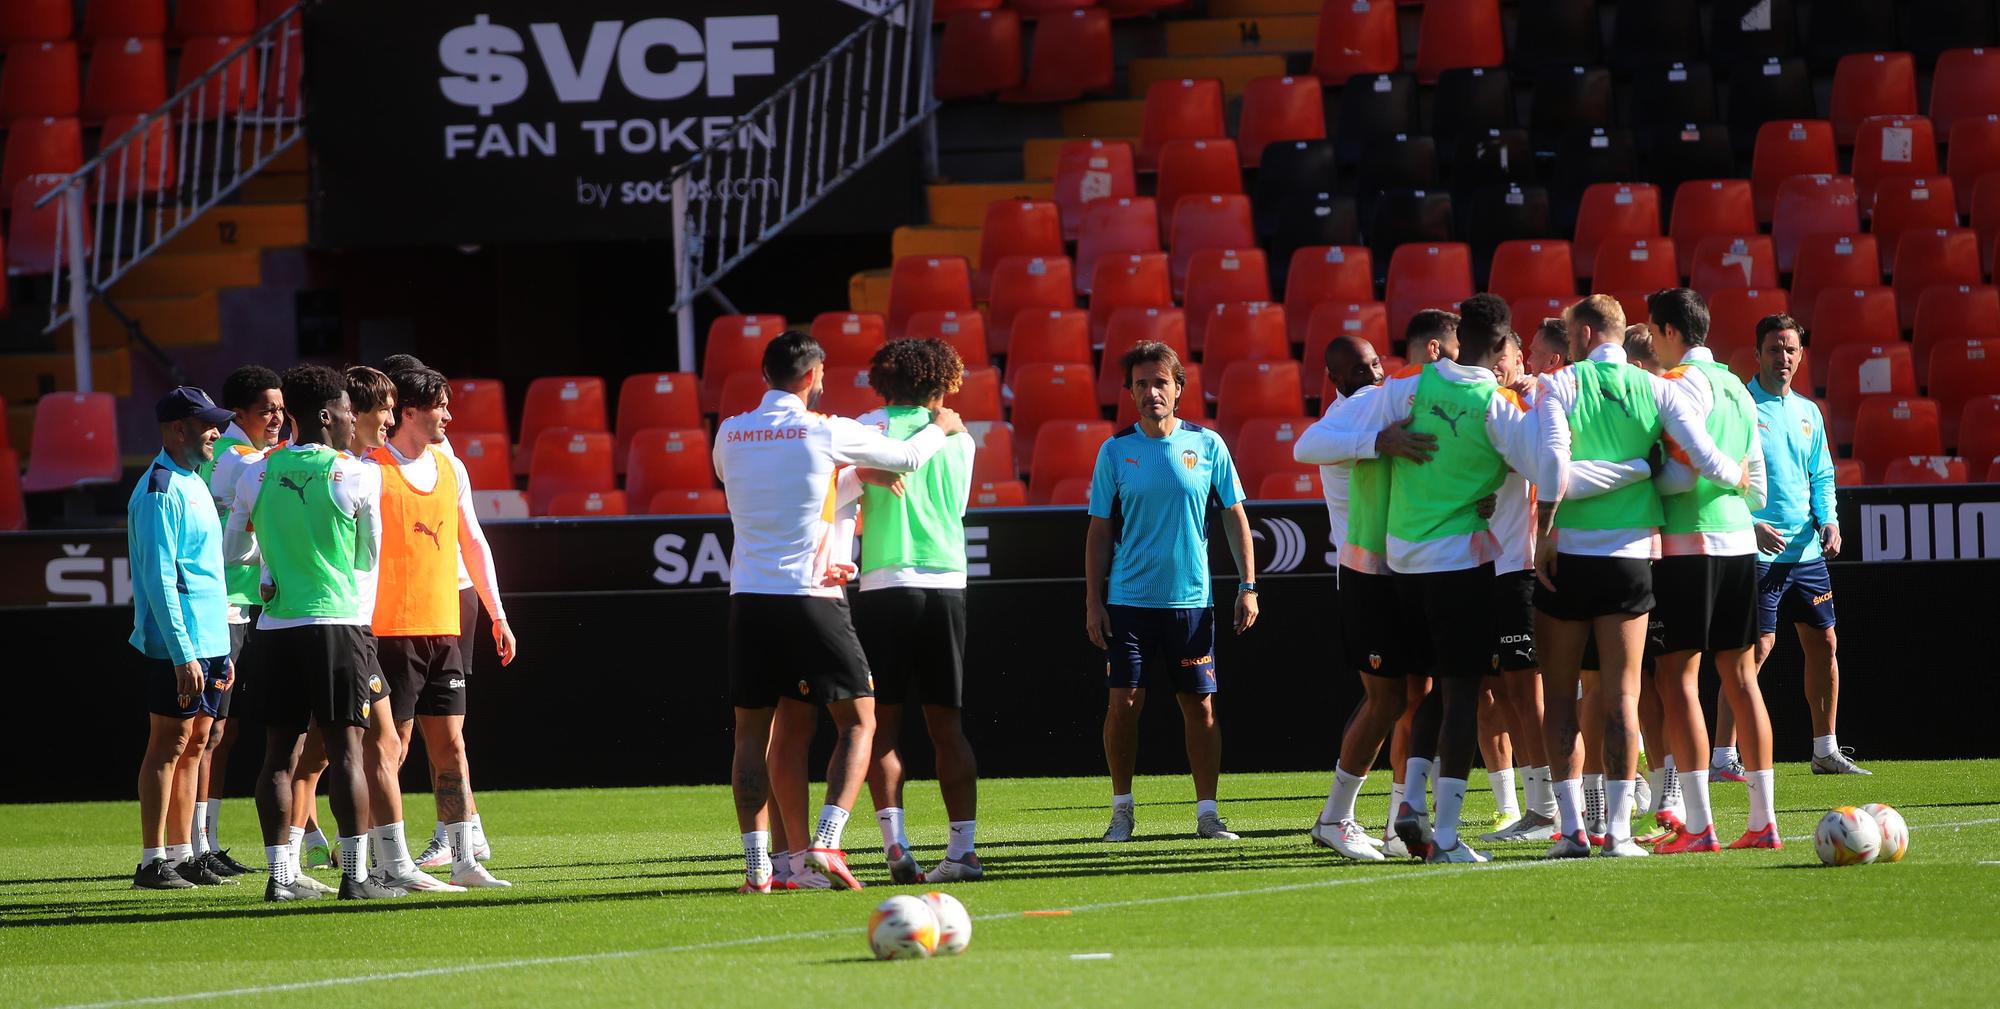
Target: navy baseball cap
[187,401]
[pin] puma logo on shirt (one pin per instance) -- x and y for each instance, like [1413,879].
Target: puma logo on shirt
[425,530]
[296,488]
[1438,412]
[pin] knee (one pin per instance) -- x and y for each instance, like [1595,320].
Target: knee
[1126,704]
[1831,640]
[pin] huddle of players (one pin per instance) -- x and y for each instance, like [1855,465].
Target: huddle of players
[354,552]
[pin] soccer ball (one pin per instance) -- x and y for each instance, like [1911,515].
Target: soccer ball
[902,928]
[954,926]
[1847,836]
[1895,833]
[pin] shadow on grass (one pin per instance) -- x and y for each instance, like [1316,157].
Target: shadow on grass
[330,906]
[1227,801]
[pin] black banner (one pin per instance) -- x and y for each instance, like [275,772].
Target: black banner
[453,122]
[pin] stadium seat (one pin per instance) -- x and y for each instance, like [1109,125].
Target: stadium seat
[36,21]
[1487,158]
[1183,109]
[1114,227]
[1065,450]
[1854,316]
[1924,469]
[993,451]
[1330,320]
[214,17]
[1965,84]
[1871,84]
[13,507]
[1252,389]
[38,79]
[1071,58]
[1929,28]
[1910,203]
[1931,257]
[587,504]
[1325,273]
[485,455]
[117,19]
[999,494]
[1050,392]
[1764,90]
[1654,34]
[1193,405]
[1531,311]
[925,284]
[1748,29]
[965,331]
[1810,205]
[1947,312]
[1048,336]
[1612,209]
[1888,146]
[1689,152]
[847,338]
[1472,100]
[1709,207]
[1585,158]
[1633,301]
[31,233]
[1216,276]
[1395,161]
[146,165]
[1421,275]
[479,404]
[1135,280]
[1891,426]
[1830,260]
[126,76]
[742,392]
[1069,492]
[564,401]
[1625,262]
[1244,331]
[1194,167]
[1327,219]
[233,89]
[566,459]
[1378,106]
[1016,228]
[735,343]
[1733,314]
[848,393]
[1961,371]
[1408,217]
[1212,221]
[1290,175]
[1290,486]
[660,458]
[1576,99]
[1848,472]
[1552,35]
[1974,153]
[707,501]
[48,145]
[1458,33]
[1840,27]
[1089,170]
[1858,371]
[1723,261]
[978,54]
[1026,284]
[1978,429]
[1986,217]
[978,396]
[1130,326]
[500,505]
[1354,39]
[75,442]
[1786,148]
[1674,94]
[660,399]
[1264,449]
[1279,109]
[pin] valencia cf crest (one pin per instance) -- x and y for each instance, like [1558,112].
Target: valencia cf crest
[1189,458]
[374,684]
[871,683]
[804,689]
[1374,660]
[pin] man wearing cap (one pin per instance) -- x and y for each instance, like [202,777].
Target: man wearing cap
[180,619]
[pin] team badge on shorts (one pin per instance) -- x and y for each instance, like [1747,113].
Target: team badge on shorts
[1189,458]
[1374,660]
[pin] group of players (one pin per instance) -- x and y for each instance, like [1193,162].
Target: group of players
[306,556]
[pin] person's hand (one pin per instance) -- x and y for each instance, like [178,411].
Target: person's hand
[948,420]
[1484,506]
[893,482]
[1399,441]
[1246,611]
[188,680]
[267,592]
[228,675]
[1096,623]
[1545,562]
[1769,540]
[838,574]
[1524,384]
[503,642]
[1743,482]
[1829,540]
[1656,457]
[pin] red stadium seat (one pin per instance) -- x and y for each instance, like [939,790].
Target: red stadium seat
[1965,85]
[1214,221]
[126,76]
[1253,389]
[993,451]
[587,504]
[1812,205]
[1705,207]
[688,502]
[659,458]
[144,166]
[1065,450]
[1245,331]
[1356,38]
[31,233]
[927,283]
[1193,405]
[1027,284]
[1924,469]
[1910,203]
[1871,84]
[485,455]
[479,404]
[1458,33]
[1888,146]
[1193,168]
[566,459]
[1531,311]
[1290,487]
[1183,109]
[1089,170]
[1072,58]
[1016,228]
[655,399]
[1218,276]
[1962,371]
[979,54]
[117,19]
[38,79]
[1831,260]
[1033,9]
[1330,320]
[1848,473]
[1725,261]
[1069,492]
[1856,372]
[1050,392]
[999,494]
[214,17]
[1978,429]
[233,89]
[1049,336]
[1947,312]
[500,505]
[742,392]
[1320,273]
[75,442]
[1626,262]
[1854,315]
[1117,226]
[965,331]
[1135,280]
[978,396]
[1733,314]
[735,343]
[1264,449]
[1928,258]
[1633,301]
[561,401]
[1974,154]
[1278,109]
[848,393]
[35,21]
[49,145]
[1528,267]
[1423,275]
[1986,217]
[847,338]
[1609,209]
[1131,326]
[1891,426]
[1786,148]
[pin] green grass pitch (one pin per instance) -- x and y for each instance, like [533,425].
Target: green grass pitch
[624,898]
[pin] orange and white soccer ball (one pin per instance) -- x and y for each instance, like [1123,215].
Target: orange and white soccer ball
[954,925]
[903,928]
[1847,836]
[1895,833]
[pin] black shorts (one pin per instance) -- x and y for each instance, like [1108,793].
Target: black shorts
[425,675]
[1514,621]
[162,697]
[1705,604]
[1372,626]
[1148,643]
[1794,593]
[468,625]
[1455,639]
[319,672]
[1588,587]
[801,647]
[915,643]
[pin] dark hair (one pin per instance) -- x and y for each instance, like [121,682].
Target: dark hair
[420,388]
[368,389]
[1683,309]
[1152,352]
[1556,327]
[911,372]
[1776,323]
[1430,324]
[246,385]
[309,388]
[400,362]
[789,356]
[1484,321]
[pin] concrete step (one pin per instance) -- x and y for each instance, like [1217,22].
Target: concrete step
[1235,72]
[181,320]
[1114,118]
[963,204]
[276,187]
[1260,34]
[169,273]
[868,291]
[928,241]
[22,375]
[243,226]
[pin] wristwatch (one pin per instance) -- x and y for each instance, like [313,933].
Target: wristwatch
[1250,587]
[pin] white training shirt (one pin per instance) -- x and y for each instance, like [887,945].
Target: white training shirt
[899,577]
[464,576]
[1333,449]
[778,464]
[357,490]
[1677,477]
[222,487]
[475,557]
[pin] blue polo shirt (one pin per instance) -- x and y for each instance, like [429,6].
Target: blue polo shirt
[1155,491]
[180,605]
[1798,472]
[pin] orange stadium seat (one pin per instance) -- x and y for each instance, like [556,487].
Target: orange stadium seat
[1857,372]
[1891,426]
[1458,33]
[1974,153]
[484,454]
[75,442]
[1122,225]
[1627,262]
[1193,405]
[38,79]
[927,283]
[48,145]
[999,494]
[965,331]
[1277,109]
[1194,168]
[1069,492]
[1705,207]
[1320,273]
[232,90]
[1948,312]
[742,391]
[708,501]
[112,19]
[1136,280]
[1131,326]
[1725,261]
[993,451]
[1071,58]
[566,459]
[1048,336]
[126,75]
[1612,208]
[146,165]
[1888,146]
[1016,228]
[1024,285]
[1355,38]
[1854,315]
[1214,221]
[1927,258]
[1848,473]
[735,343]
[978,54]
[1245,331]
[1527,267]
[1216,276]
[1910,203]
[1965,84]
[1188,108]
[479,404]
[668,459]
[560,401]
[1089,170]
[1064,450]
[847,338]
[1962,371]
[36,21]
[1050,392]
[848,393]
[1788,147]
[1421,275]
[1831,260]
[1252,389]
[1978,429]
[978,397]
[214,17]
[1290,486]
[1264,449]
[1925,469]
[670,399]
[1871,84]
[1368,320]
[1986,217]
[587,504]
[1812,205]
[31,233]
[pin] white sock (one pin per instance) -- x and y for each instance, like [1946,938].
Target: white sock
[178,853]
[313,837]
[1395,803]
[832,820]
[1416,774]
[209,828]
[1825,746]
[1204,807]
[479,841]
[278,857]
[1694,792]
[1340,801]
[1548,801]
[890,819]
[198,832]
[1721,755]
[393,849]
[1450,803]
[1569,805]
[1618,808]
[438,835]
[1502,781]
[757,854]
[959,844]
[1431,775]
[462,846]
[1121,801]
[1593,796]
[298,837]
[1761,803]
[1656,782]
[354,857]
[147,855]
